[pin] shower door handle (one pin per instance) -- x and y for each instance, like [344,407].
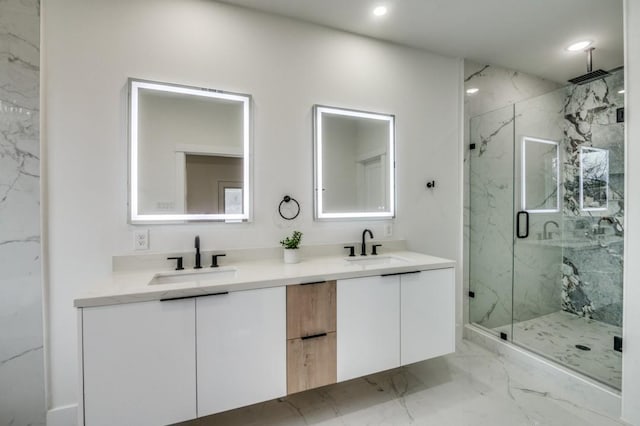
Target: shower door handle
[524,234]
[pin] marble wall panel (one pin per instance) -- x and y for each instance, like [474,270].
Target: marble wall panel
[22,400]
[592,276]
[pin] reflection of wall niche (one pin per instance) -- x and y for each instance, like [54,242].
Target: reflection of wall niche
[206,176]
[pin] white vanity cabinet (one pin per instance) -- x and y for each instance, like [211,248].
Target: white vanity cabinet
[241,350]
[167,361]
[162,362]
[427,307]
[139,363]
[368,325]
[387,321]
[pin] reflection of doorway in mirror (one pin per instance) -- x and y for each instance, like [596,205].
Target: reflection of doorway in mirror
[206,177]
[372,184]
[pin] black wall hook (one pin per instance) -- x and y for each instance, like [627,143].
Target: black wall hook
[288,199]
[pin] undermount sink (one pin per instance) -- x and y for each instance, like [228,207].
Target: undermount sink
[377,260]
[204,275]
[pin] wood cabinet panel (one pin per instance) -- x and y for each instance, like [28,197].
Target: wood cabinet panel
[311,309]
[311,362]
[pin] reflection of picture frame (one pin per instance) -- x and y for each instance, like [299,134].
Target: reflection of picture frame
[230,197]
[594,179]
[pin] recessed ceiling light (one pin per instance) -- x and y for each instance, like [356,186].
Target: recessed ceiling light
[380,10]
[580,45]
[621,91]
[472,90]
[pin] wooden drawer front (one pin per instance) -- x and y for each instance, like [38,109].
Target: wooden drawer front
[311,362]
[311,309]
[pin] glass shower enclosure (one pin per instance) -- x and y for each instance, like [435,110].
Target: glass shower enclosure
[546,225]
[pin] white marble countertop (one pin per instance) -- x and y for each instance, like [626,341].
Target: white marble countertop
[133,286]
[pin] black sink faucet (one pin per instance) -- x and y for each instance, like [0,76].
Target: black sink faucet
[198,265]
[364,247]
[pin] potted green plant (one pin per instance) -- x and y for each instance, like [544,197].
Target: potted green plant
[291,245]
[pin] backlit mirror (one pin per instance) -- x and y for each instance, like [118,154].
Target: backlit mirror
[354,164]
[594,179]
[540,175]
[189,153]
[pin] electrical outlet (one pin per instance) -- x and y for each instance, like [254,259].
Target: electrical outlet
[141,239]
[388,229]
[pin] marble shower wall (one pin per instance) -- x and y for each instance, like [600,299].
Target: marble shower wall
[22,396]
[593,267]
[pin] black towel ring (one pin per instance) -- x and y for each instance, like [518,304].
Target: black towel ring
[287,199]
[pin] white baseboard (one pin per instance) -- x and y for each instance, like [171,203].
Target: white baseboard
[66,415]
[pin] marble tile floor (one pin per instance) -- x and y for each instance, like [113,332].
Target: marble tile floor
[556,335]
[471,387]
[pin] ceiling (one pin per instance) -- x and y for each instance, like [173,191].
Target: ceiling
[525,35]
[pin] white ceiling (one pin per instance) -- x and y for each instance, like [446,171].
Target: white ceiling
[525,35]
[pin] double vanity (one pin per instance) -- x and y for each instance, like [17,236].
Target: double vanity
[160,347]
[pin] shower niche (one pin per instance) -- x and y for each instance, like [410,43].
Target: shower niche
[546,225]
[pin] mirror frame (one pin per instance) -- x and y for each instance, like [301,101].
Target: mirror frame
[319,214]
[135,217]
[523,174]
[582,153]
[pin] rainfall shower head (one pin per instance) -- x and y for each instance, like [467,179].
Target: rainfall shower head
[590,75]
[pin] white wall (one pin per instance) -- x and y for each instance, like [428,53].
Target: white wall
[91,47]
[631,324]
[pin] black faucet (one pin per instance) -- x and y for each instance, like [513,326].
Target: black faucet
[364,247]
[547,235]
[198,265]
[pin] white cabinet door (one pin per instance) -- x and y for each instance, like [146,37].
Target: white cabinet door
[368,325]
[241,349]
[428,315]
[139,363]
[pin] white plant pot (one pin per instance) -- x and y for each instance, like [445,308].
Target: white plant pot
[291,255]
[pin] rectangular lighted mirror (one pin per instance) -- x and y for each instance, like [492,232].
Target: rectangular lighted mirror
[189,153]
[354,164]
[540,175]
[594,179]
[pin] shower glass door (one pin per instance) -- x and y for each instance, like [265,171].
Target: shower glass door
[546,226]
[538,245]
[491,220]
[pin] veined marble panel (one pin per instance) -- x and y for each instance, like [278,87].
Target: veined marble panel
[491,224]
[21,338]
[592,279]
[500,87]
